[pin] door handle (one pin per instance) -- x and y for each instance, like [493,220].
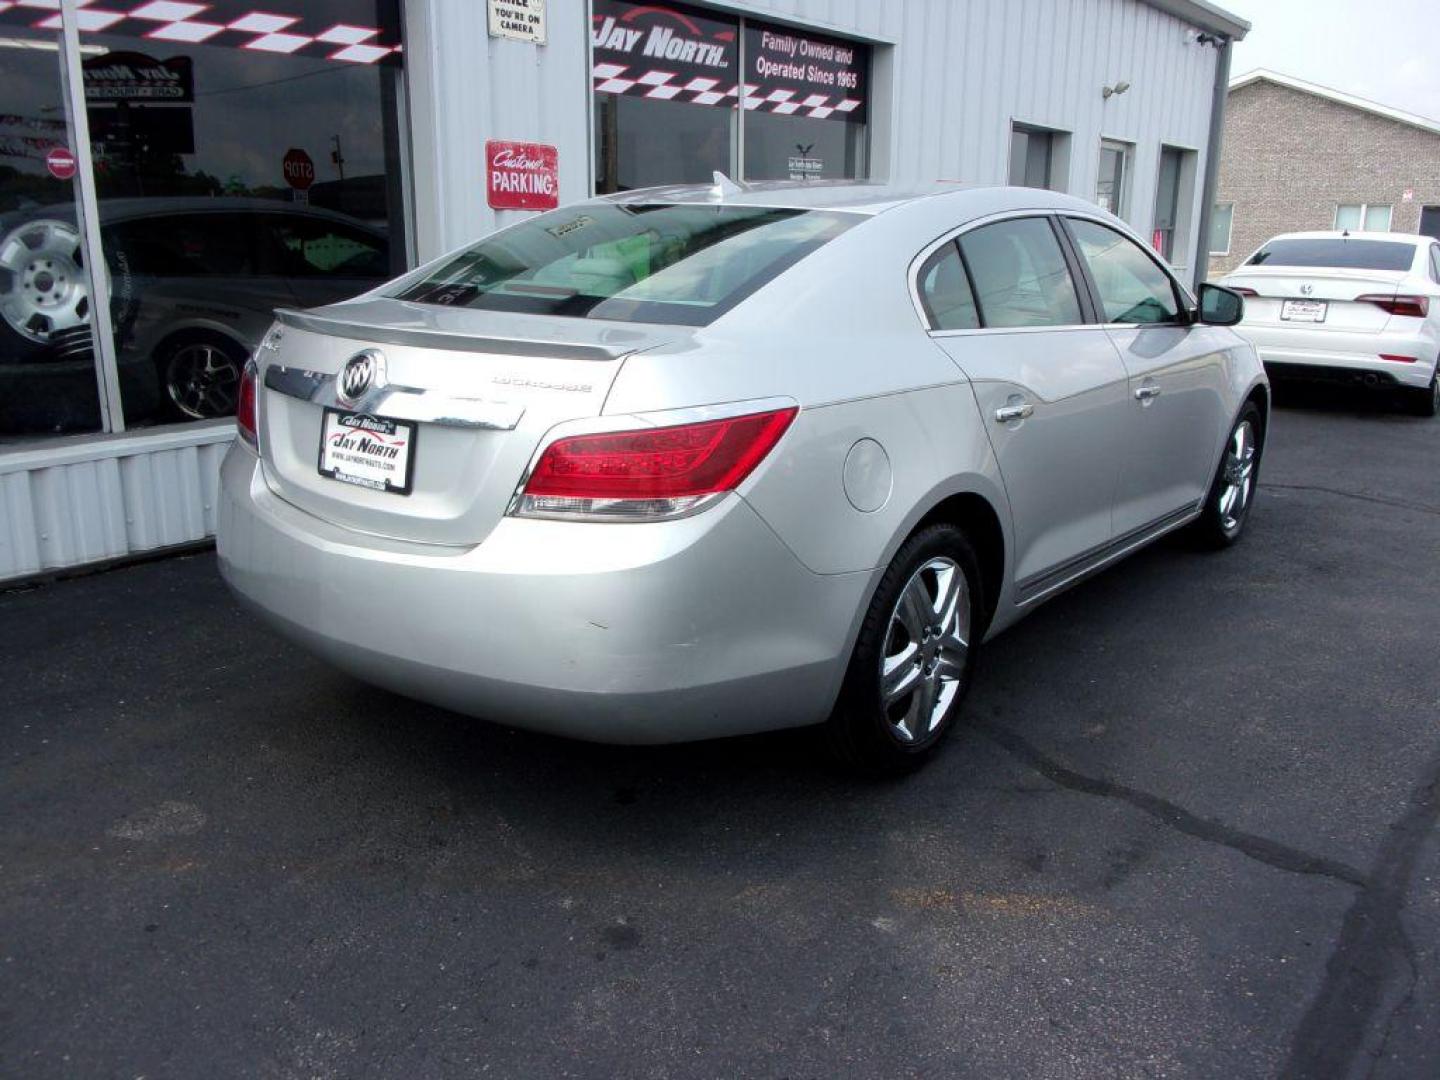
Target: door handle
[1145,393]
[1006,413]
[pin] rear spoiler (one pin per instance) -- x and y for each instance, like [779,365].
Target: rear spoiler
[443,339]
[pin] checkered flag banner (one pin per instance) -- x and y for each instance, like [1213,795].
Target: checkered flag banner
[661,85]
[226,24]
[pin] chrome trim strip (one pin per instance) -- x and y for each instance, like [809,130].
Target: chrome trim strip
[992,331]
[396,402]
[1043,585]
[440,339]
[296,382]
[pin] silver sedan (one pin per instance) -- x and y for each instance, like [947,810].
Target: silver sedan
[701,461]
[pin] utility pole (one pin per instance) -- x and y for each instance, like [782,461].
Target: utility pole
[337,157]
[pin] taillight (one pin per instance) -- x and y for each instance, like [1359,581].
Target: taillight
[1396,358]
[1414,307]
[246,418]
[649,474]
[1243,291]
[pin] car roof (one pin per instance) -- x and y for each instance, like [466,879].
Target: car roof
[858,197]
[116,210]
[1354,234]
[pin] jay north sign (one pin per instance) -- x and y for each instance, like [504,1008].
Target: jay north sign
[675,53]
[677,39]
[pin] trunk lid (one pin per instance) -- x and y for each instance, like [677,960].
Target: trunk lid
[1337,289]
[481,388]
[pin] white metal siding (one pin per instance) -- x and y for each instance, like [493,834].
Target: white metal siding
[87,500]
[961,72]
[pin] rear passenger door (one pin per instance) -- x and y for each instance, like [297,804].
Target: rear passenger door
[1003,301]
[1177,411]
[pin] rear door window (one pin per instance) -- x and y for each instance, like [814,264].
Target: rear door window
[1131,286]
[945,291]
[1020,275]
[1336,253]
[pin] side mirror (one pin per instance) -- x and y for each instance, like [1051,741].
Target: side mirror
[1220,306]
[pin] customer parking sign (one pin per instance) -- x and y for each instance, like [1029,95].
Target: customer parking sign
[522,175]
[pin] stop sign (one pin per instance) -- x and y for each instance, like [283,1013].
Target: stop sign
[299,169]
[61,162]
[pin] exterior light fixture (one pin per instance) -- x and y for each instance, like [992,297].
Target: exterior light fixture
[1107,92]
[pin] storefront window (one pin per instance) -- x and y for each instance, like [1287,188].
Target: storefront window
[47,358]
[241,170]
[243,160]
[804,105]
[679,91]
[681,145]
[665,79]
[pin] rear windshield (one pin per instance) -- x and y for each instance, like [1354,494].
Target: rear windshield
[660,263]
[1337,253]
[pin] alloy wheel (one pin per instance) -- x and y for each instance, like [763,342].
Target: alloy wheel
[42,283]
[202,380]
[1238,482]
[926,647]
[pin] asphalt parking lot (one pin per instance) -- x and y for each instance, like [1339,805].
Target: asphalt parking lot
[1191,830]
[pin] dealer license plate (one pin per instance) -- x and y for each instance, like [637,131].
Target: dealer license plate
[1304,310]
[368,451]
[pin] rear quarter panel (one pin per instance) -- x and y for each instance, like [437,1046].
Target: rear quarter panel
[839,334]
[933,447]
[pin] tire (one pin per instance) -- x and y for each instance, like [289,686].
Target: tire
[1426,402]
[864,733]
[199,375]
[1232,492]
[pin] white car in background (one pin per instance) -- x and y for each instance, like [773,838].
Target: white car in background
[1351,307]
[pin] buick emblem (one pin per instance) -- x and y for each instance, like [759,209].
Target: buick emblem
[1306,289]
[363,372]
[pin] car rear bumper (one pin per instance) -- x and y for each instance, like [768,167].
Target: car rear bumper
[1340,355]
[667,632]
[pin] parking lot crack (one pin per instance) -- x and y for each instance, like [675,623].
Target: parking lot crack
[1260,848]
[1373,944]
[1402,504]
[1401,1007]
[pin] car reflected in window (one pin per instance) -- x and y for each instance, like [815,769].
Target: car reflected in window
[194,283]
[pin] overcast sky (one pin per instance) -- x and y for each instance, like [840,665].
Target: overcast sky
[1383,50]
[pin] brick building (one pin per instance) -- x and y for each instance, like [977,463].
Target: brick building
[1300,156]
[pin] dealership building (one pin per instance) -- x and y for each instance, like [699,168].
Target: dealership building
[201,164]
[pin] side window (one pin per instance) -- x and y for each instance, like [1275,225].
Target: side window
[1132,287]
[945,291]
[1020,275]
[318,247]
[185,245]
[138,247]
[1435,263]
